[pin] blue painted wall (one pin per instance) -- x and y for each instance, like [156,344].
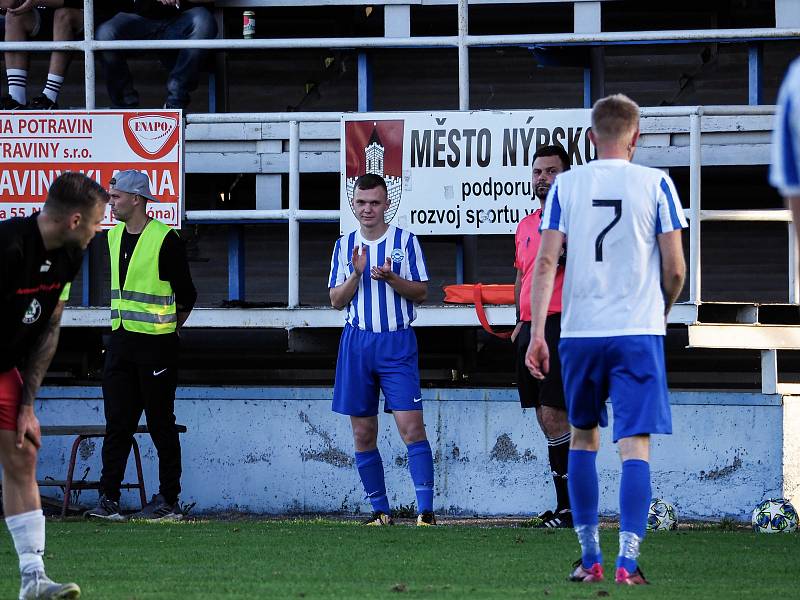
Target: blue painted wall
[281,450]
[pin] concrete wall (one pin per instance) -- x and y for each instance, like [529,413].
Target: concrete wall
[281,450]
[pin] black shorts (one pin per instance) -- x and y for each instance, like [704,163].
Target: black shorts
[549,391]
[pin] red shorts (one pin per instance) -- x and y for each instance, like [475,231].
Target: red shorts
[10,398]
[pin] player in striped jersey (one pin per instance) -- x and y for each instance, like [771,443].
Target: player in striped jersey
[784,172]
[378,274]
[625,269]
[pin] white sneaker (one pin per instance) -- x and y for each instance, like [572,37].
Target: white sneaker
[38,586]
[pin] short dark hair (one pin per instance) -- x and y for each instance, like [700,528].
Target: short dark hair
[370,181]
[74,191]
[553,151]
[614,116]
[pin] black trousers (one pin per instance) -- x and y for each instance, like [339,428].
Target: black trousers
[128,389]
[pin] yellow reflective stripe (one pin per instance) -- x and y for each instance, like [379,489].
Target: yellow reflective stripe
[148,298]
[65,292]
[129,315]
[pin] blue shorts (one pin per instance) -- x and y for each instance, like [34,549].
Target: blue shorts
[369,362]
[629,370]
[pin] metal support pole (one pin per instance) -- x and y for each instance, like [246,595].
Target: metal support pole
[460,261]
[95,286]
[88,53]
[794,262]
[463,56]
[755,64]
[470,244]
[587,88]
[694,205]
[364,83]
[294,206]
[597,61]
[86,287]
[236,263]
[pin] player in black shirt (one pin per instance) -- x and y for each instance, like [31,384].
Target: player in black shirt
[39,257]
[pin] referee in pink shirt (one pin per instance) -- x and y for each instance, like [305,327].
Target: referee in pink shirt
[547,395]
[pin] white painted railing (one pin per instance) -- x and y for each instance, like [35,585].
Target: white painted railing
[462,41]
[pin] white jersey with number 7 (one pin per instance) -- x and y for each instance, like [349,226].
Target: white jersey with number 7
[612,212]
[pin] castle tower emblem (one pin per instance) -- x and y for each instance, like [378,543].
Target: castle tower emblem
[374,152]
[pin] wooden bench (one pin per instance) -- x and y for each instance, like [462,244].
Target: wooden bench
[85,432]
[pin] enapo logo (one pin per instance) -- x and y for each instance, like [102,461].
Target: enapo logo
[151,136]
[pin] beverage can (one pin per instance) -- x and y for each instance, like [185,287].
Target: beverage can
[248,25]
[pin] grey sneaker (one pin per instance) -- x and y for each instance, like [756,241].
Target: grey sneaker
[106,509]
[38,586]
[158,509]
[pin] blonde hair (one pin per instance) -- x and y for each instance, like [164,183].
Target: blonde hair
[614,117]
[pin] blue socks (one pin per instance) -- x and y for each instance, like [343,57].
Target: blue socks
[584,496]
[370,469]
[634,502]
[420,465]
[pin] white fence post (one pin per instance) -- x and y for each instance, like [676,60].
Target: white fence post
[794,284]
[694,205]
[88,53]
[463,55]
[294,206]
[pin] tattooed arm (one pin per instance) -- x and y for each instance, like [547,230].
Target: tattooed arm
[38,362]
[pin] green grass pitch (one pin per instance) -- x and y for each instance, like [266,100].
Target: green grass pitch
[329,559]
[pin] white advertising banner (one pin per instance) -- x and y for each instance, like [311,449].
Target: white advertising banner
[456,173]
[36,147]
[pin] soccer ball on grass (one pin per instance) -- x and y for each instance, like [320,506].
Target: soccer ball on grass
[776,515]
[661,516]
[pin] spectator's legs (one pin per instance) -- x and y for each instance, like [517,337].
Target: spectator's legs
[158,393]
[122,403]
[67,24]
[18,29]
[194,24]
[123,26]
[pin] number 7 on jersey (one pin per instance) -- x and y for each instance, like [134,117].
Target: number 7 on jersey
[598,243]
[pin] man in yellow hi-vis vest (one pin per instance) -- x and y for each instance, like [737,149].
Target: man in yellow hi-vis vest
[151,296]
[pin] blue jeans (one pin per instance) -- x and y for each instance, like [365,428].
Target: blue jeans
[194,24]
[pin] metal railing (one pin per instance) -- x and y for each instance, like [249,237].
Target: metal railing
[462,42]
[695,214]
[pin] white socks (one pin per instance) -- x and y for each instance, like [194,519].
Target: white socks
[17,83]
[27,531]
[53,86]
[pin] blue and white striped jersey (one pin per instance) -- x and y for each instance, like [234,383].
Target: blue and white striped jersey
[376,306]
[612,212]
[784,172]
